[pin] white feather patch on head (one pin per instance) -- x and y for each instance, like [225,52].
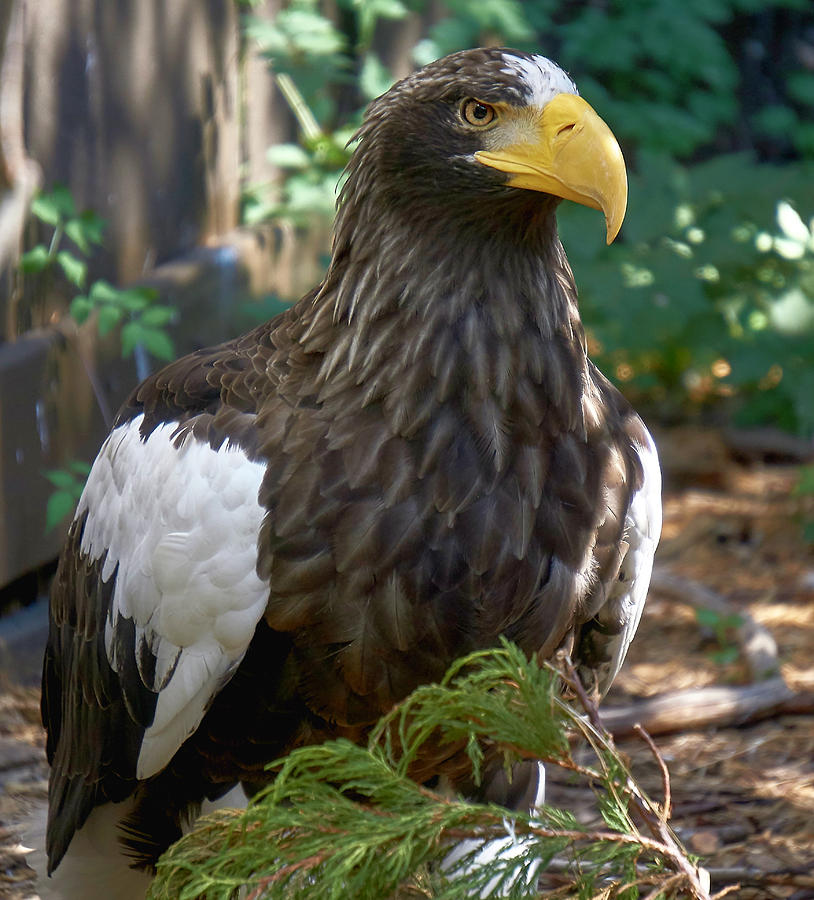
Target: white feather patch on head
[179,525]
[543,78]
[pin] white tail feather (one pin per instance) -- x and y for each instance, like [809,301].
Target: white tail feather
[94,865]
[506,850]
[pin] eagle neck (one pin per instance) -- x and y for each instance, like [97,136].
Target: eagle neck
[437,308]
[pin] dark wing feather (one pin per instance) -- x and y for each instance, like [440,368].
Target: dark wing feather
[94,720]
[96,717]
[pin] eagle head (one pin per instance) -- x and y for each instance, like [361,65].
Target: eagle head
[484,124]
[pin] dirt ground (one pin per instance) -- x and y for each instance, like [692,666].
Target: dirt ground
[743,797]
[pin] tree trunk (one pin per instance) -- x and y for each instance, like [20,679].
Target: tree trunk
[19,176]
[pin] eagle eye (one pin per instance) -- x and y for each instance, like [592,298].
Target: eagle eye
[473,112]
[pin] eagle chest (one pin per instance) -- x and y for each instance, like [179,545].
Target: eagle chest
[388,555]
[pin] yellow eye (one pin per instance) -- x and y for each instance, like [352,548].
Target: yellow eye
[473,112]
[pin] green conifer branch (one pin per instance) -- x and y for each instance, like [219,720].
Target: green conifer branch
[344,821]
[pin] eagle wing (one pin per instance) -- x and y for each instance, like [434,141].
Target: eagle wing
[156,597]
[603,641]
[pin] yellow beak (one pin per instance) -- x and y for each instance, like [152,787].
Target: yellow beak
[573,155]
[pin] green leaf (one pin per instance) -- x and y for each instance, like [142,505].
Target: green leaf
[103,292]
[61,478]
[383,9]
[288,156]
[75,270]
[158,343]
[257,207]
[135,299]
[310,33]
[801,87]
[44,208]
[109,318]
[708,618]
[425,51]
[265,33]
[81,308]
[157,316]
[63,200]
[504,17]
[76,233]
[132,335]
[60,504]
[54,207]
[69,483]
[35,260]
[804,139]
[155,341]
[725,655]
[448,35]
[86,230]
[370,11]
[375,78]
[776,121]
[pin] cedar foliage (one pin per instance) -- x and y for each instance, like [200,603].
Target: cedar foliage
[341,820]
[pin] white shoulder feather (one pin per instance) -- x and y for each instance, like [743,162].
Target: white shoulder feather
[179,527]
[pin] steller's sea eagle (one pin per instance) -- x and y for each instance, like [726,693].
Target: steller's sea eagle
[284,535]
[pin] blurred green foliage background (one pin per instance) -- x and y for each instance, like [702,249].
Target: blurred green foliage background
[704,307]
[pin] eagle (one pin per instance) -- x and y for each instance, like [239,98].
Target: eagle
[284,535]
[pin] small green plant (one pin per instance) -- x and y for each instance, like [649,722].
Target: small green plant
[68,484]
[341,820]
[722,625]
[143,321]
[58,210]
[708,302]
[312,169]
[312,57]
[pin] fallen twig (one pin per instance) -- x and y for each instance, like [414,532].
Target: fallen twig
[729,889]
[784,877]
[767,444]
[665,774]
[701,707]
